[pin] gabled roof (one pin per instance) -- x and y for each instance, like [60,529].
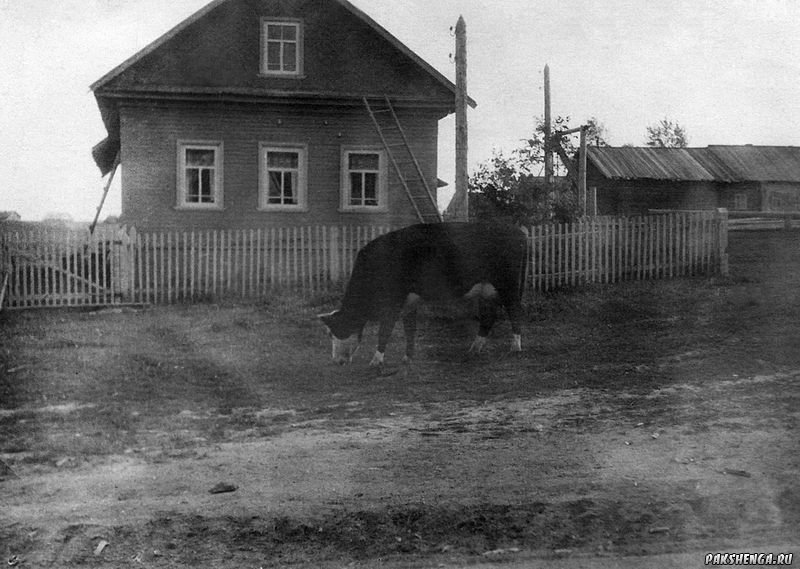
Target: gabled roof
[630,162]
[154,45]
[746,163]
[750,163]
[200,14]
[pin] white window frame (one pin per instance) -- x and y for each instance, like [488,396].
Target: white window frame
[383,180]
[298,25]
[302,176]
[740,201]
[182,201]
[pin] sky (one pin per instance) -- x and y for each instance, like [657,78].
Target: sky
[728,71]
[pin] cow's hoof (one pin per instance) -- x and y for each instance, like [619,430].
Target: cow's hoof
[377,360]
[477,345]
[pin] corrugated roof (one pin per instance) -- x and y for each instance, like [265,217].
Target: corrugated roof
[718,163]
[760,163]
[630,162]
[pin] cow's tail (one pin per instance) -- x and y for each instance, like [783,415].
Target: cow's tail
[523,266]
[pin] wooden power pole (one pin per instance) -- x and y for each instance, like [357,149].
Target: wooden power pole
[549,172]
[461,209]
[582,169]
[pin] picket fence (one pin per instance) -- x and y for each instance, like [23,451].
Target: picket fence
[43,266]
[613,249]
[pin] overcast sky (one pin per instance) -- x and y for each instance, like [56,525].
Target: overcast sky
[727,70]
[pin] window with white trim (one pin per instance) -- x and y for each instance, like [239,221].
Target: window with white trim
[363,180]
[281,47]
[740,201]
[283,177]
[200,175]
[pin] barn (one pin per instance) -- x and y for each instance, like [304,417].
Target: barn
[632,180]
[253,113]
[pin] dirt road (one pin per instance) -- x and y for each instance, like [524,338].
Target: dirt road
[643,425]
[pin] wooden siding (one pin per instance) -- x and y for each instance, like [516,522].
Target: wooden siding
[636,197]
[150,135]
[783,196]
[752,190]
[342,55]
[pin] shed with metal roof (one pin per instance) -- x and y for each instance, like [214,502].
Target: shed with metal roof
[632,180]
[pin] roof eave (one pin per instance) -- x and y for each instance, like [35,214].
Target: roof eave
[383,32]
[155,44]
[263,96]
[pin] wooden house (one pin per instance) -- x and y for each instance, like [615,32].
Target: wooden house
[253,113]
[633,180]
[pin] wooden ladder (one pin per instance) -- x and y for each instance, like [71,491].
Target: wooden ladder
[405,163]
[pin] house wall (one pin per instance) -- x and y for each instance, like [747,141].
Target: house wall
[741,196]
[150,135]
[781,196]
[636,197]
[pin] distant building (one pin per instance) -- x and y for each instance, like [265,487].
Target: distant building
[9,216]
[633,180]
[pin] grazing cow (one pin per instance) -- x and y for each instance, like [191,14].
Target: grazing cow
[437,262]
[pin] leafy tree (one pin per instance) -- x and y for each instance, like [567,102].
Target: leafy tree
[596,133]
[667,134]
[512,188]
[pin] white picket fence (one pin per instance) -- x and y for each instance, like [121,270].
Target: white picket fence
[610,249]
[43,266]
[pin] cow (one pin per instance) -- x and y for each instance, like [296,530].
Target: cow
[433,262]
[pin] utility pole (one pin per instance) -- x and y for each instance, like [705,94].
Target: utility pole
[549,173]
[582,169]
[461,209]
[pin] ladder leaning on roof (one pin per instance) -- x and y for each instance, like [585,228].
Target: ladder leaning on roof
[405,163]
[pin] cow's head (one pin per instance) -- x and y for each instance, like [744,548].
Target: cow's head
[345,336]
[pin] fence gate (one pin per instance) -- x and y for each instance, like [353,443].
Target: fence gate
[54,266]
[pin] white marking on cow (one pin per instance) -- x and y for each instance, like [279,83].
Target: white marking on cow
[412,300]
[342,351]
[516,343]
[477,345]
[483,290]
[377,359]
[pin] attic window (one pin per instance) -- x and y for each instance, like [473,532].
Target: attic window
[281,47]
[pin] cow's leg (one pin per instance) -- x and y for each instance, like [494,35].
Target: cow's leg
[513,306]
[487,314]
[385,328]
[410,331]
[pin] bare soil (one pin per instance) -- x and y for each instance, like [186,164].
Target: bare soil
[642,419]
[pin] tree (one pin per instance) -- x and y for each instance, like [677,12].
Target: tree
[596,133]
[511,187]
[666,134]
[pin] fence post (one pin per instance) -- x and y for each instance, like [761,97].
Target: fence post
[335,263]
[125,262]
[722,240]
